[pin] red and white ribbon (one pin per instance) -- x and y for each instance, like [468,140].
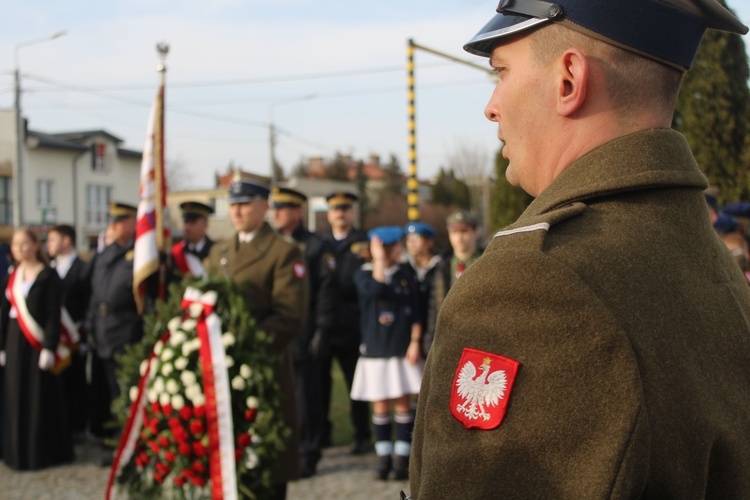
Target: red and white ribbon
[187,262]
[33,332]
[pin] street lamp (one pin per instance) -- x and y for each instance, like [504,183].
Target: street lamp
[272,130]
[20,136]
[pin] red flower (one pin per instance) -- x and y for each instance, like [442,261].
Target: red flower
[163,441]
[138,461]
[167,409]
[250,414]
[243,440]
[199,411]
[180,434]
[196,427]
[173,422]
[162,468]
[184,449]
[198,481]
[179,480]
[155,407]
[237,454]
[144,457]
[186,413]
[198,466]
[158,477]
[199,449]
[153,426]
[154,447]
[169,456]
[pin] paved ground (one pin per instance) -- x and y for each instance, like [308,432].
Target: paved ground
[340,476]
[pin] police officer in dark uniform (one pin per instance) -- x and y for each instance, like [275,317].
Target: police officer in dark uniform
[113,320]
[571,359]
[348,244]
[287,220]
[188,254]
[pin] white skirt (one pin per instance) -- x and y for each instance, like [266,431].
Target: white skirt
[380,379]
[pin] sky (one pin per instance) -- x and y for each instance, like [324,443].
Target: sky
[331,76]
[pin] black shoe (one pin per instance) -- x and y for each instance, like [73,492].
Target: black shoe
[361,447]
[400,468]
[384,467]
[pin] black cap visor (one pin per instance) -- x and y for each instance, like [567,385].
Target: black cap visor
[500,26]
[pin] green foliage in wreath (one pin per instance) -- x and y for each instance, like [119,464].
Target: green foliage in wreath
[170,458]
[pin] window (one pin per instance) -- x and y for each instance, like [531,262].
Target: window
[44,194]
[97,205]
[100,157]
[6,200]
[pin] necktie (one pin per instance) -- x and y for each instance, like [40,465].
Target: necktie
[460,269]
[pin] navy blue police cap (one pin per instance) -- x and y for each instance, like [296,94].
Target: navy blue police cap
[725,224]
[419,228]
[342,199]
[737,209]
[244,190]
[286,197]
[387,234]
[192,210]
[668,31]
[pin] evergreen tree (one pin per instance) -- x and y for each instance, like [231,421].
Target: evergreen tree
[450,191]
[338,169]
[712,112]
[507,202]
[394,177]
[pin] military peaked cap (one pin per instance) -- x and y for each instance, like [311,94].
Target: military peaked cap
[286,197]
[461,216]
[341,199]
[244,190]
[668,31]
[195,210]
[119,211]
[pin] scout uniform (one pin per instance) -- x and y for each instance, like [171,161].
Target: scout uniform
[320,316]
[271,275]
[424,277]
[344,339]
[600,348]
[188,257]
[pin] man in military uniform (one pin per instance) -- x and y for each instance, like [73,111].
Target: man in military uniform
[271,274]
[188,254]
[571,359]
[61,246]
[348,245]
[287,219]
[112,320]
[464,238]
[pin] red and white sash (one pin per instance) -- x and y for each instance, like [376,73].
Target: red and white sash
[33,332]
[187,262]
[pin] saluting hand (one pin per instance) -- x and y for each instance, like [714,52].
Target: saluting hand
[46,359]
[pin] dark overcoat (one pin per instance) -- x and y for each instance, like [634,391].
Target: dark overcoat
[271,275]
[631,325]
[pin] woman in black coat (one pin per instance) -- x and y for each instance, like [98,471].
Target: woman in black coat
[35,428]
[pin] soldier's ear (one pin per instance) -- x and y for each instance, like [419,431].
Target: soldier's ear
[573,80]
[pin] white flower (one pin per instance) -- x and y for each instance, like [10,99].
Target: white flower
[252,402]
[255,438]
[181,363]
[192,392]
[166,354]
[195,309]
[190,346]
[177,337]
[154,367]
[245,371]
[229,360]
[189,325]
[174,325]
[178,402]
[252,459]
[199,400]
[142,369]
[188,378]
[133,393]
[158,384]
[172,387]
[166,369]
[158,347]
[153,396]
[164,398]
[238,383]
[227,339]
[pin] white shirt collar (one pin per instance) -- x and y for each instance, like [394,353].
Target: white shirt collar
[63,263]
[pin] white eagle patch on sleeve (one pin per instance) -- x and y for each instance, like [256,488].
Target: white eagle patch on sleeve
[481,391]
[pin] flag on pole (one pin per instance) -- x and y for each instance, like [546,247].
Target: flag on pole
[152,231]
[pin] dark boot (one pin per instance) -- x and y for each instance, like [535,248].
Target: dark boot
[401,468]
[384,467]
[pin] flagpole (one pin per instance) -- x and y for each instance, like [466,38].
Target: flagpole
[162,239]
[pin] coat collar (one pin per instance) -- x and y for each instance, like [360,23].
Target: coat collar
[647,159]
[254,250]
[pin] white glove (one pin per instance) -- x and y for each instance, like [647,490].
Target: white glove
[2,358]
[46,359]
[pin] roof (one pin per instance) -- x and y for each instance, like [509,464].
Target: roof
[87,134]
[53,142]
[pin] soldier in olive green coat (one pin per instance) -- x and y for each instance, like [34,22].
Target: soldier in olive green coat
[271,274]
[600,348]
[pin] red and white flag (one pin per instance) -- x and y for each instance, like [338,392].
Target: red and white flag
[152,232]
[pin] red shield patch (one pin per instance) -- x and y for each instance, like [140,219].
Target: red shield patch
[299,269]
[481,388]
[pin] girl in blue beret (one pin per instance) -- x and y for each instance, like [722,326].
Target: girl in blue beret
[389,370]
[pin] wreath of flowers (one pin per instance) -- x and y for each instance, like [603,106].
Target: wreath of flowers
[171,454]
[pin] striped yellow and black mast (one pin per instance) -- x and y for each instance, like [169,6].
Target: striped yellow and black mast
[412,183]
